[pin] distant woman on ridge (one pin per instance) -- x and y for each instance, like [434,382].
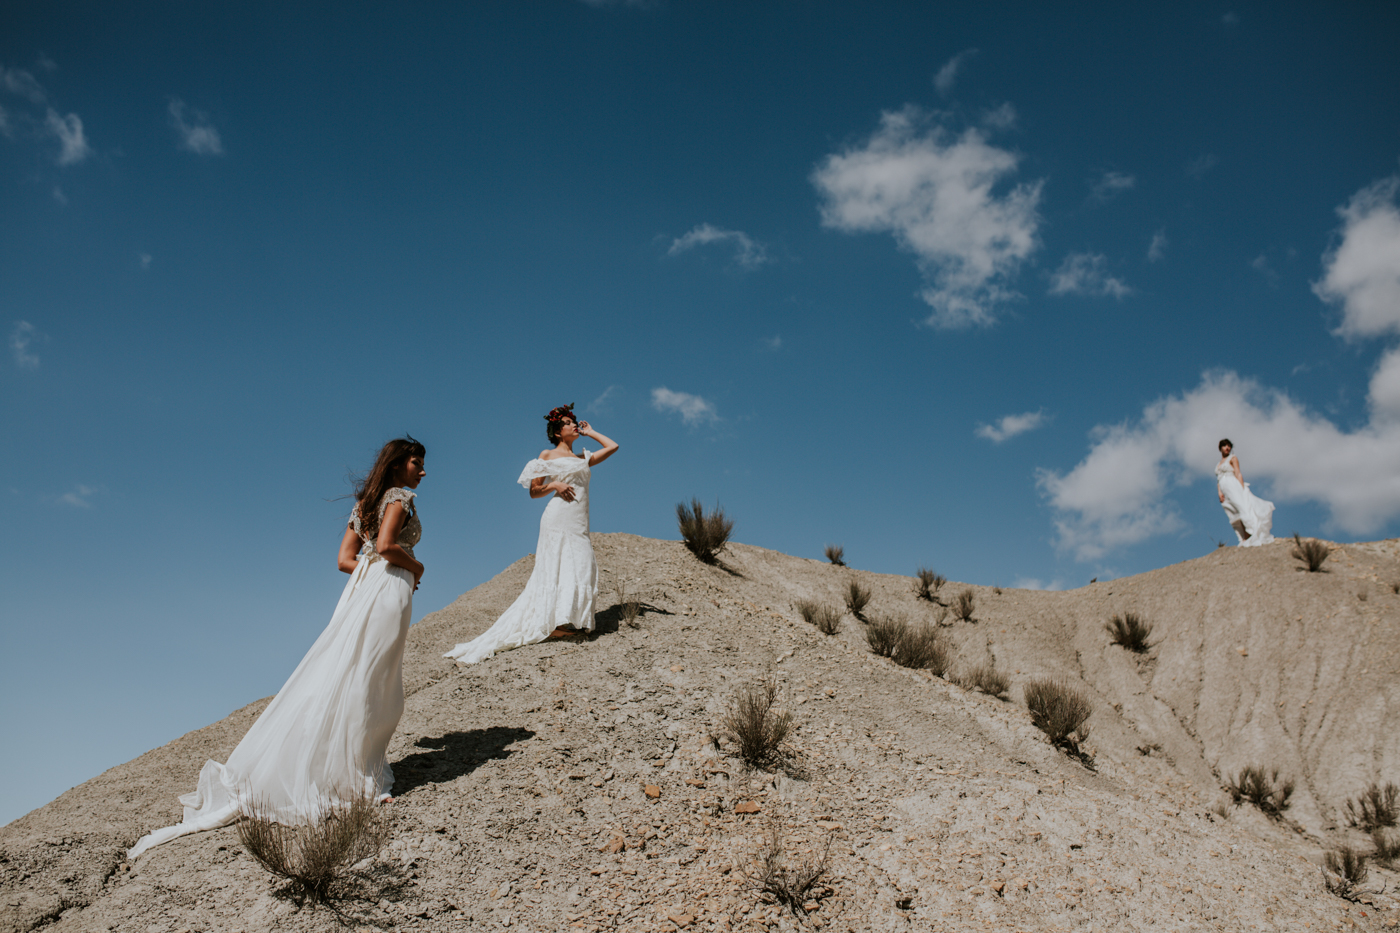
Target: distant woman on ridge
[558,599]
[321,741]
[1251,517]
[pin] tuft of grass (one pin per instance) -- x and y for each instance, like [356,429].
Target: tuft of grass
[884,633]
[1060,711]
[1131,631]
[963,606]
[1387,848]
[1261,787]
[1344,869]
[824,617]
[314,857]
[629,607]
[836,554]
[996,590]
[792,884]
[857,598]
[986,678]
[704,534]
[927,584]
[1311,552]
[1375,807]
[807,608]
[754,724]
[918,646]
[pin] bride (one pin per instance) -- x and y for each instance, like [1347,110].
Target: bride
[322,739]
[558,599]
[1251,517]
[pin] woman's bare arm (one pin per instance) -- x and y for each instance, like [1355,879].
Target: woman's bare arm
[1235,465]
[609,445]
[387,544]
[350,544]
[539,489]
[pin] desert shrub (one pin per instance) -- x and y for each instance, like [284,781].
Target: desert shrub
[629,607]
[754,724]
[927,584]
[1374,807]
[922,648]
[1387,848]
[824,617]
[807,609]
[1261,787]
[790,884]
[857,598]
[996,590]
[1130,630]
[963,606]
[836,554]
[1311,552]
[884,634]
[986,678]
[705,535]
[1344,871]
[315,856]
[1060,711]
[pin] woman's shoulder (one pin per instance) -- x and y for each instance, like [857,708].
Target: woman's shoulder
[399,494]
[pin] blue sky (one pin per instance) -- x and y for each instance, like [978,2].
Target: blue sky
[976,286]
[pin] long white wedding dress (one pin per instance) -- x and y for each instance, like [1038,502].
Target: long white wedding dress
[1246,511]
[322,739]
[564,583]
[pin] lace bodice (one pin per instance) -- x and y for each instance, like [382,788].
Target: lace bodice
[409,534]
[1222,468]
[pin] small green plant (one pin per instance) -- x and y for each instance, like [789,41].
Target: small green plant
[1311,552]
[963,606]
[1375,807]
[1387,848]
[792,884]
[836,554]
[1060,711]
[985,678]
[1261,787]
[314,857]
[754,724]
[927,584]
[1344,869]
[705,535]
[857,598]
[825,618]
[1130,631]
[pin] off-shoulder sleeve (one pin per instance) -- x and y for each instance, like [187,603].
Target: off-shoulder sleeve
[534,470]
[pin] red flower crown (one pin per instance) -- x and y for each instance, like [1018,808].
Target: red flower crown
[560,413]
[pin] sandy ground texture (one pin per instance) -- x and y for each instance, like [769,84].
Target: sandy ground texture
[577,786]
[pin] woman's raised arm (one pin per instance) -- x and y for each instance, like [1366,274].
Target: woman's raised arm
[609,445]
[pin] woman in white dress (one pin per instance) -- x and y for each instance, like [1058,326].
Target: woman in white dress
[1251,517]
[558,599]
[322,740]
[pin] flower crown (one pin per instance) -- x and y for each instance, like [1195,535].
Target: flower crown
[560,413]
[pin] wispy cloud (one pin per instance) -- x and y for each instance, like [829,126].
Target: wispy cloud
[73,144]
[5,124]
[1032,583]
[748,252]
[1086,274]
[22,337]
[80,497]
[600,403]
[20,82]
[145,260]
[1157,249]
[1230,19]
[1362,272]
[774,342]
[1000,118]
[692,408]
[934,192]
[1009,426]
[1199,166]
[948,75]
[59,196]
[1111,185]
[1261,265]
[195,132]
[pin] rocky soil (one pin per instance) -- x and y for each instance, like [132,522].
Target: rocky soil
[578,785]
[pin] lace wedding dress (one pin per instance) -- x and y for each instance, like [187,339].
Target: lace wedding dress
[564,582]
[1247,512]
[322,739]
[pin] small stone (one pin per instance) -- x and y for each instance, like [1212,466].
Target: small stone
[652,791]
[695,782]
[1021,883]
[676,668]
[998,886]
[748,806]
[680,920]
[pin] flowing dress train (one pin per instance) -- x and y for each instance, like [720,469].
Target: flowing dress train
[1246,511]
[322,739]
[564,583]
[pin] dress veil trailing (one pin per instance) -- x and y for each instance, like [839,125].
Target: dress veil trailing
[1246,511]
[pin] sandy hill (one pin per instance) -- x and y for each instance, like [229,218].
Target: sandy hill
[521,798]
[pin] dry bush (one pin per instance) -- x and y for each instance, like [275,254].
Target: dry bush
[1344,871]
[825,618]
[986,678]
[705,535]
[1374,807]
[1311,552]
[1131,631]
[314,856]
[857,598]
[963,606]
[923,649]
[629,607]
[1261,787]
[791,884]
[927,584]
[884,634]
[1387,848]
[836,554]
[1060,711]
[753,723]
[807,609]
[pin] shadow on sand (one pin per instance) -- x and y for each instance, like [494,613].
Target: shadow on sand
[450,756]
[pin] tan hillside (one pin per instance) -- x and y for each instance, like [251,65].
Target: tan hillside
[947,810]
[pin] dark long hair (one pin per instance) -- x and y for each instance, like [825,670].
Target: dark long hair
[370,488]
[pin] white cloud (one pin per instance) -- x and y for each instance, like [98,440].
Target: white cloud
[1111,185]
[1198,166]
[747,252]
[599,403]
[774,342]
[21,338]
[1086,274]
[196,133]
[1157,249]
[23,84]
[80,497]
[948,75]
[73,144]
[1009,426]
[1000,118]
[1031,583]
[1362,273]
[1261,265]
[692,408]
[59,196]
[933,192]
[145,259]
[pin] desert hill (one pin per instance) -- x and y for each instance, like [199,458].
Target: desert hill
[522,781]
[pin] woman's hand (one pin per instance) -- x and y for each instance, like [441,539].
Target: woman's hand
[563,490]
[1221,494]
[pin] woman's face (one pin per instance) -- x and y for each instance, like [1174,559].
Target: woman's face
[412,472]
[1225,450]
[568,430]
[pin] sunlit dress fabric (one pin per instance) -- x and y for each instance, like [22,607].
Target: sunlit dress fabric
[564,584]
[1248,514]
[322,740]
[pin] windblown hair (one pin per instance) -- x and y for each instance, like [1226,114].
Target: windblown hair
[1223,442]
[554,421]
[370,488]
